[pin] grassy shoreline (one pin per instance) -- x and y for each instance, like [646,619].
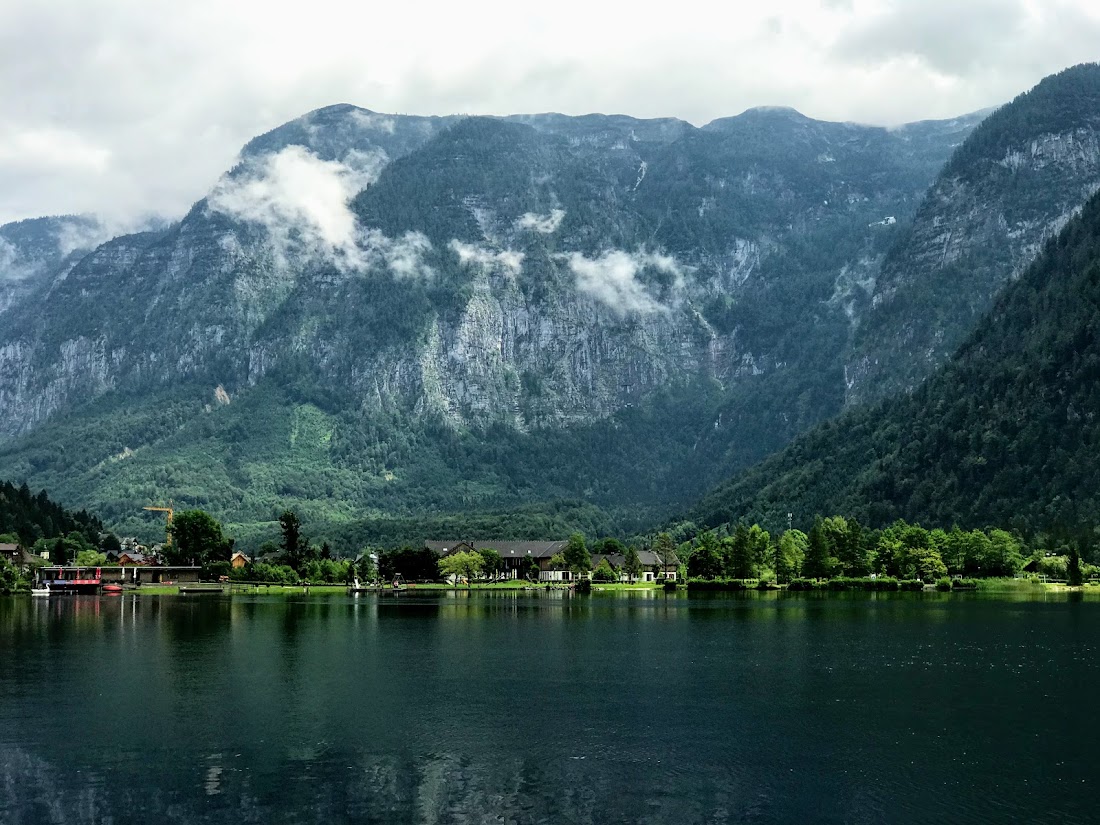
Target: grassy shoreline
[986,586]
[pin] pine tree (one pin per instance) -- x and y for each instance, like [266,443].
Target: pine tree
[1073,569]
[740,556]
[819,563]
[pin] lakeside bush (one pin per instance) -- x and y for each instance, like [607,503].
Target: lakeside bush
[943,584]
[841,584]
[716,584]
[911,585]
[804,585]
[11,580]
[964,584]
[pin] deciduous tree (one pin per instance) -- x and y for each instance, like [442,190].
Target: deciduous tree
[632,563]
[465,564]
[197,539]
[576,554]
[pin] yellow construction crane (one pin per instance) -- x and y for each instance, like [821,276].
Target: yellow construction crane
[168,525]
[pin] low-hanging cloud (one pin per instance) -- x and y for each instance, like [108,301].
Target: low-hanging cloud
[506,261]
[302,202]
[404,256]
[9,269]
[544,224]
[612,279]
[88,233]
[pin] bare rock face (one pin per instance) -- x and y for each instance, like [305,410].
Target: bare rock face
[1022,175]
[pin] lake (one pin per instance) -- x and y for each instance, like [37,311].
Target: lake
[549,707]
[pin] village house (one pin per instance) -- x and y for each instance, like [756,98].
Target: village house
[653,567]
[20,557]
[239,560]
[11,553]
[132,558]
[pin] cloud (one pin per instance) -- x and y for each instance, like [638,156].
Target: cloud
[965,40]
[404,256]
[302,202]
[374,122]
[52,148]
[107,110]
[948,36]
[88,233]
[541,223]
[612,279]
[9,269]
[506,261]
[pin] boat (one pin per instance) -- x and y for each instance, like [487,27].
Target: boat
[40,590]
[112,589]
[78,584]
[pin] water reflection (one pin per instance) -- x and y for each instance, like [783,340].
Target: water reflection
[536,707]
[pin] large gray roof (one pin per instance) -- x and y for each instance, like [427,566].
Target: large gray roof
[507,549]
[535,550]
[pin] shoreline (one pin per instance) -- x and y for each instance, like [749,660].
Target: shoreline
[990,587]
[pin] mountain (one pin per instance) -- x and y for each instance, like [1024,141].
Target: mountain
[382,316]
[1006,433]
[1022,174]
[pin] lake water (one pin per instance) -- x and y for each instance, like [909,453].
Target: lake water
[502,708]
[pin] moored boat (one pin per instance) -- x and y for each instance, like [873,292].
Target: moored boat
[80,583]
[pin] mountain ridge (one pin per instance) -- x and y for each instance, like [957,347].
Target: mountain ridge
[479,315]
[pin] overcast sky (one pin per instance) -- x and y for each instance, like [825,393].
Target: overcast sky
[123,107]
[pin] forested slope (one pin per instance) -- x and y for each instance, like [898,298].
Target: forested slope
[34,516]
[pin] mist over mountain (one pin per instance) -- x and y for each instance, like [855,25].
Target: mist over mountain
[387,317]
[34,251]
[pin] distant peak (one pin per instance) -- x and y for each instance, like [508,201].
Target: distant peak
[337,109]
[774,110]
[759,113]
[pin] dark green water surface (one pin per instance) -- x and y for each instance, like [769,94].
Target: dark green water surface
[501,708]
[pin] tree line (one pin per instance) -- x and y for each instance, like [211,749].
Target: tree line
[839,546]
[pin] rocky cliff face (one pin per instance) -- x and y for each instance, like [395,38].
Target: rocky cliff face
[1022,175]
